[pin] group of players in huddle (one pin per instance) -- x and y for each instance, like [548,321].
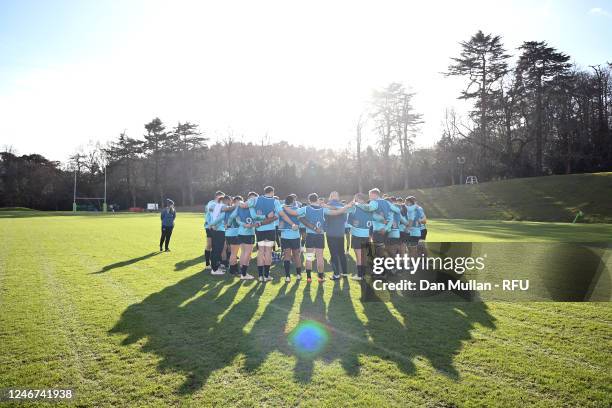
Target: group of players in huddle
[392,225]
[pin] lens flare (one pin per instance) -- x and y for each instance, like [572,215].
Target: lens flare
[309,338]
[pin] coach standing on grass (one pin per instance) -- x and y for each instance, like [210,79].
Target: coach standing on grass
[168,214]
[334,232]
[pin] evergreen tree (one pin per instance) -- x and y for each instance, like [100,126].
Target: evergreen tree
[483,62]
[156,143]
[187,142]
[538,67]
[125,151]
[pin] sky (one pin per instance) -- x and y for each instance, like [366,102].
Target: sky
[72,72]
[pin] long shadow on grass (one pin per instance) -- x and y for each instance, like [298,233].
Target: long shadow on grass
[179,266]
[121,264]
[310,310]
[197,327]
[192,326]
[435,330]
[349,333]
[268,333]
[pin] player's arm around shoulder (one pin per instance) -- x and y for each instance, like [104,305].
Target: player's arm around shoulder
[335,211]
[250,203]
[369,207]
[288,220]
[290,211]
[218,220]
[233,215]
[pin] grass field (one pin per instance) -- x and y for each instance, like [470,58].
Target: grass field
[87,302]
[550,198]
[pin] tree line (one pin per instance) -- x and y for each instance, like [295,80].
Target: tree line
[539,115]
[535,115]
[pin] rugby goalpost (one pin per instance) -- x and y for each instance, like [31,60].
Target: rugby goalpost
[75,198]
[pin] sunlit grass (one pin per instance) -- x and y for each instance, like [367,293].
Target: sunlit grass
[87,302]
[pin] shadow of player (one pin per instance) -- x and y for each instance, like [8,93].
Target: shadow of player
[310,310]
[180,324]
[179,266]
[349,333]
[269,332]
[437,330]
[197,327]
[127,262]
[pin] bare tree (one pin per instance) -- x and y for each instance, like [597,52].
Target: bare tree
[228,143]
[358,141]
[407,122]
[384,105]
[76,162]
[7,148]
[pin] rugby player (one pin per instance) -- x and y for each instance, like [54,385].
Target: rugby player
[289,227]
[265,205]
[334,234]
[360,222]
[231,235]
[414,226]
[382,219]
[208,210]
[246,219]
[217,227]
[394,243]
[313,217]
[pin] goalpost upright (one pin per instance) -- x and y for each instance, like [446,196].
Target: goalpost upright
[104,203]
[74,206]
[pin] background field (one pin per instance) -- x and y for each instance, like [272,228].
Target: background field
[88,302]
[551,198]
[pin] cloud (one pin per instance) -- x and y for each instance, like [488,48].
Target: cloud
[598,11]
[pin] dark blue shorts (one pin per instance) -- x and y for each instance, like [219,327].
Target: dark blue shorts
[290,243]
[413,240]
[232,240]
[315,241]
[359,242]
[246,239]
[269,235]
